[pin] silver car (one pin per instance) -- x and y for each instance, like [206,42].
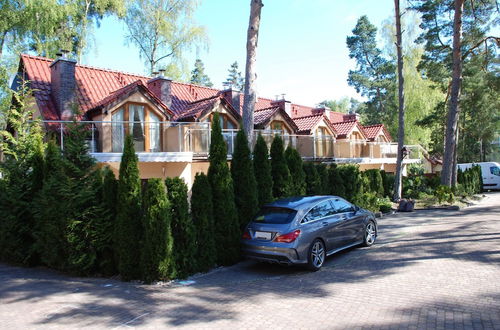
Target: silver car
[305,230]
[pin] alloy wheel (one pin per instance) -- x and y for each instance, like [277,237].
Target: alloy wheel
[317,254]
[370,234]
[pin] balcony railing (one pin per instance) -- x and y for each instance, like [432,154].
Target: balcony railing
[107,137]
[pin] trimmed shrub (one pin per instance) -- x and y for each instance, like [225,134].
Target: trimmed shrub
[336,181]
[128,229]
[324,179]
[352,181]
[51,209]
[262,170]
[245,186]
[105,252]
[471,180]
[156,249]
[388,182]
[444,193]
[376,185]
[279,170]
[226,224]
[313,180]
[183,232]
[202,214]
[294,164]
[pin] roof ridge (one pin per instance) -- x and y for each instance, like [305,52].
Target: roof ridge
[198,86]
[372,125]
[262,109]
[347,121]
[308,116]
[205,99]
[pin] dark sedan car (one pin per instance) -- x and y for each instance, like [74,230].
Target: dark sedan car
[305,230]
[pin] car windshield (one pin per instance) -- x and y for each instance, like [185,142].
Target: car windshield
[275,215]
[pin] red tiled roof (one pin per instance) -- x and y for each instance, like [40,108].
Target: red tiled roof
[262,117]
[345,128]
[195,110]
[307,123]
[373,131]
[336,117]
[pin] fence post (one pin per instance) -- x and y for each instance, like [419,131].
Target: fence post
[62,136]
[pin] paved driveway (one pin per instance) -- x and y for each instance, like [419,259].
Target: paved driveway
[429,269]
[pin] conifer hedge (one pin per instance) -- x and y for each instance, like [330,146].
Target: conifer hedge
[297,175]
[157,242]
[322,170]
[183,231]
[279,170]
[106,254]
[245,186]
[262,170]
[128,229]
[226,224]
[375,182]
[313,180]
[202,214]
[336,181]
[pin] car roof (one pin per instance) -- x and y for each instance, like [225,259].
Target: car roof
[299,203]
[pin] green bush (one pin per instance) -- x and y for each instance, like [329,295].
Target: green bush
[384,204]
[128,229]
[324,179]
[202,213]
[376,183]
[313,180]
[294,163]
[245,186]
[156,252]
[444,194]
[388,182]
[183,231]
[352,180]
[336,182]
[226,224]
[471,180]
[262,172]
[105,251]
[368,201]
[279,170]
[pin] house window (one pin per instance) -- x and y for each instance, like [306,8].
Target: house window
[141,123]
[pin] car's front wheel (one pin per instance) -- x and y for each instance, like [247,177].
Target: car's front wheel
[370,234]
[317,254]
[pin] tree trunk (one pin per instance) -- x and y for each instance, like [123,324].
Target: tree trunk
[401,99]
[250,75]
[449,164]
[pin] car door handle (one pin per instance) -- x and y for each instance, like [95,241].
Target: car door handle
[324,223]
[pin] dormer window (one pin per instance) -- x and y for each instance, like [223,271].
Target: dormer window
[141,122]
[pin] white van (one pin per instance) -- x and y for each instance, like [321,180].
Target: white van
[490,172]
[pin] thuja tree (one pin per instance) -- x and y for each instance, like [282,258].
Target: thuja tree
[322,170]
[51,210]
[156,249]
[245,186]
[294,163]
[279,169]
[183,231]
[128,229]
[22,171]
[353,182]
[336,181]
[313,186]
[226,224]
[376,183]
[105,252]
[202,214]
[262,170]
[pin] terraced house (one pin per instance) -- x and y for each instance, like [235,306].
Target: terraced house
[170,121]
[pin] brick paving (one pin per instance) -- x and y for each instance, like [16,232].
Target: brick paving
[436,269]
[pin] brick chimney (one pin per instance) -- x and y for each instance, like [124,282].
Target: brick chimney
[283,104]
[233,96]
[162,88]
[352,116]
[63,85]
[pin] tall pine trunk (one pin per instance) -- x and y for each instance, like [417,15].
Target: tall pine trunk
[250,75]
[401,97]
[449,163]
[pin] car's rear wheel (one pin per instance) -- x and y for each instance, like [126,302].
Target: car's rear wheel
[317,254]
[370,234]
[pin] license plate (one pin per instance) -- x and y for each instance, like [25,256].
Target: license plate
[263,235]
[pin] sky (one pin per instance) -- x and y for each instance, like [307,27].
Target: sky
[301,51]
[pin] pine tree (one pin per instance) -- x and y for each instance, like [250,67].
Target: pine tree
[227,232]
[294,163]
[183,231]
[198,75]
[245,186]
[234,80]
[128,229]
[157,239]
[313,180]
[262,170]
[202,213]
[279,170]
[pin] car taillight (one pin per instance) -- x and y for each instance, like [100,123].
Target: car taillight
[288,238]
[246,235]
